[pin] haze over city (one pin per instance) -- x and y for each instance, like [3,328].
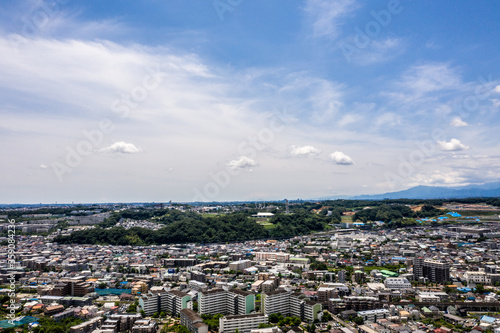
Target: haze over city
[123,101]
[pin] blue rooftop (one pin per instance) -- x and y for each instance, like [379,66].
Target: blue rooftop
[488,319]
[454,214]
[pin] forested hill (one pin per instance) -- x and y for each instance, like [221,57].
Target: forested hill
[196,228]
[306,217]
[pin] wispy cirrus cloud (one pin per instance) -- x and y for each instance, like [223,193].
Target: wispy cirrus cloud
[378,51]
[429,78]
[326,17]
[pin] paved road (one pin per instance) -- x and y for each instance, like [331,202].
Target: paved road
[338,320]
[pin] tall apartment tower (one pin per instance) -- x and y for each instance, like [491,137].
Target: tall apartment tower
[434,270]
[418,266]
[342,276]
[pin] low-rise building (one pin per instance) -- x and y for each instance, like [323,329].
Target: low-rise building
[242,323]
[87,326]
[374,315]
[193,321]
[397,283]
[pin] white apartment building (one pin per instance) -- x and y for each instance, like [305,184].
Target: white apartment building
[242,323]
[274,256]
[397,283]
[172,302]
[229,302]
[477,277]
[373,315]
[239,265]
[290,304]
[197,285]
[276,302]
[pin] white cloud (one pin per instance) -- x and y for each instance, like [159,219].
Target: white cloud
[449,178]
[378,52]
[326,16]
[497,89]
[121,147]
[349,119]
[341,158]
[452,145]
[458,122]
[304,150]
[43,166]
[242,163]
[388,119]
[422,80]
[322,99]
[495,101]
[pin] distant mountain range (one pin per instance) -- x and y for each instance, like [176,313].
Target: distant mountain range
[437,192]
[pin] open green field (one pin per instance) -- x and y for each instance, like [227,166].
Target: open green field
[266,224]
[346,219]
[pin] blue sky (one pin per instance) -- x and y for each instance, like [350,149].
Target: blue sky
[245,100]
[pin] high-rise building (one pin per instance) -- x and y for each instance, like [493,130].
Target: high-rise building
[342,276]
[418,266]
[434,270]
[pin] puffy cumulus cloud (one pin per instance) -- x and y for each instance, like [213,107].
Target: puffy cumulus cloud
[303,150]
[121,147]
[458,122]
[452,145]
[243,162]
[340,158]
[497,89]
